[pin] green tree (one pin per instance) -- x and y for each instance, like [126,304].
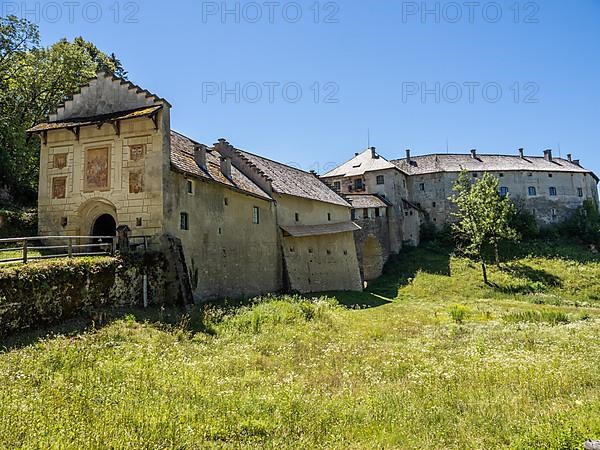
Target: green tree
[34,80]
[483,216]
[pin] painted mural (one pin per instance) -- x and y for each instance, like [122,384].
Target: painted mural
[97,166]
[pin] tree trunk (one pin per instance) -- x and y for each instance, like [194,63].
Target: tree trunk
[496,253]
[484,271]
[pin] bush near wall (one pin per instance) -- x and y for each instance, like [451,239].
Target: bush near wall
[17,223]
[47,292]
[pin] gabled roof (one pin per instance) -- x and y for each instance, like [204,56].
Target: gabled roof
[97,120]
[442,162]
[291,181]
[366,201]
[182,160]
[361,163]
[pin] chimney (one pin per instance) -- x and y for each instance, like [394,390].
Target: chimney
[373,153]
[522,153]
[226,166]
[577,162]
[200,155]
[408,155]
[474,153]
[548,155]
[570,157]
[356,154]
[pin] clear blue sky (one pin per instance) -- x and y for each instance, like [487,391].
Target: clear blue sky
[370,53]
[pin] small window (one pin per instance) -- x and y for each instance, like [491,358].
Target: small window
[377,213]
[434,204]
[190,187]
[380,179]
[552,192]
[532,191]
[554,213]
[184,221]
[353,214]
[297,217]
[358,184]
[549,175]
[580,192]
[138,222]
[329,217]
[529,174]
[474,175]
[411,213]
[503,191]
[255,215]
[404,183]
[501,175]
[337,185]
[365,213]
[226,201]
[422,186]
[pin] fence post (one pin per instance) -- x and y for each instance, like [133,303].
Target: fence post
[25,251]
[70,247]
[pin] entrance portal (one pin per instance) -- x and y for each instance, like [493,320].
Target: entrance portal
[104,225]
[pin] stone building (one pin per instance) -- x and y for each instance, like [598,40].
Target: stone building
[379,193]
[248,225]
[391,199]
[550,188]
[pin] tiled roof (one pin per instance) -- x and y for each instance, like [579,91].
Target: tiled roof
[182,160]
[319,230]
[364,162]
[104,118]
[291,181]
[366,201]
[484,163]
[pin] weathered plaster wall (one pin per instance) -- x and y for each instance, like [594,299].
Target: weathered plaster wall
[372,245]
[81,208]
[434,198]
[318,263]
[227,254]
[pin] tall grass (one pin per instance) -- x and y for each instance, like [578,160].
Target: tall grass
[293,372]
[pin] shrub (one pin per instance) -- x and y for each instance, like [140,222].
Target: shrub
[459,313]
[524,222]
[18,223]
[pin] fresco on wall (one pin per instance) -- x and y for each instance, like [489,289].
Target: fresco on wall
[136,182]
[137,152]
[59,187]
[96,169]
[60,161]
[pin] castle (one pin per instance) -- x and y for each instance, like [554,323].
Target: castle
[249,225]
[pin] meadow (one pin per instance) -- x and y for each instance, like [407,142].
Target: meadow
[428,357]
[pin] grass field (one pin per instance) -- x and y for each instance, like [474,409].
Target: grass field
[428,358]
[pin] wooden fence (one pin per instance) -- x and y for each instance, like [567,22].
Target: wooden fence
[26,249]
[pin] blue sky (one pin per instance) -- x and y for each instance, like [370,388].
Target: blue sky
[374,58]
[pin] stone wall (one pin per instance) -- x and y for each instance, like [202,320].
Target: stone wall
[44,293]
[372,246]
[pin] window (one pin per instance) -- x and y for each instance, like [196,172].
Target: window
[329,217]
[377,213]
[580,192]
[226,201]
[365,213]
[422,186]
[337,185]
[549,175]
[184,221]
[554,214]
[474,175]
[138,222]
[297,217]
[552,192]
[353,214]
[380,179]
[532,191]
[190,187]
[501,175]
[358,184]
[503,191]
[434,204]
[255,215]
